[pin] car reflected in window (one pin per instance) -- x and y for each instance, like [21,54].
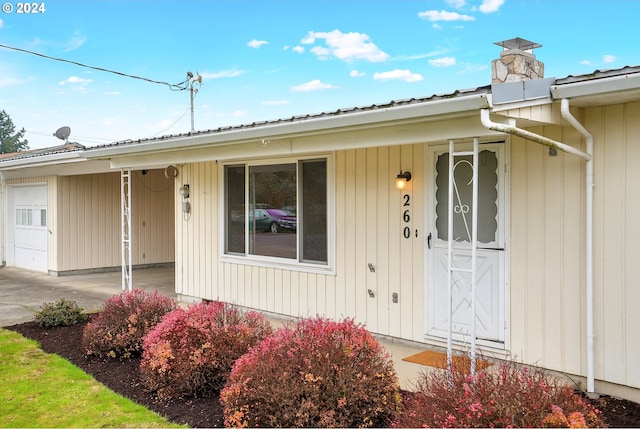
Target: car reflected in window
[273,220]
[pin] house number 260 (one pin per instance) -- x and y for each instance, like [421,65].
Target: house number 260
[406,215]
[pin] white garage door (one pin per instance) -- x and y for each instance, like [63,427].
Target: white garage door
[29,215]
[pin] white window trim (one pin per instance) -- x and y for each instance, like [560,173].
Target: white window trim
[274,262]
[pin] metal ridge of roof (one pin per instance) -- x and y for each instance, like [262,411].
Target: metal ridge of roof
[303,117]
[598,74]
[33,153]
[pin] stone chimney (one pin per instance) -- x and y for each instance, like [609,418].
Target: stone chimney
[517,62]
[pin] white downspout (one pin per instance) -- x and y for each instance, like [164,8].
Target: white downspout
[588,156]
[510,129]
[566,114]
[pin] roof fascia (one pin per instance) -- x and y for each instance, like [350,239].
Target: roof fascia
[306,126]
[461,127]
[60,167]
[593,87]
[41,160]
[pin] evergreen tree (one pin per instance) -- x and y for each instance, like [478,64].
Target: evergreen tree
[10,139]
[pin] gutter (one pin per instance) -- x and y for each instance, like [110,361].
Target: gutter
[566,114]
[588,157]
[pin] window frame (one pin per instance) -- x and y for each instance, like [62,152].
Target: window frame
[276,262]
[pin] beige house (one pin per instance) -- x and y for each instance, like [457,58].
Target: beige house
[302,216]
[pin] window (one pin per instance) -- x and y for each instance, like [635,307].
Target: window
[277,210]
[31,217]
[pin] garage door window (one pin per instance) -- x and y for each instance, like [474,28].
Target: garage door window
[31,217]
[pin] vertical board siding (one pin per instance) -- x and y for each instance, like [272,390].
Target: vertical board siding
[89,232]
[546,253]
[152,212]
[615,130]
[630,249]
[368,218]
[547,248]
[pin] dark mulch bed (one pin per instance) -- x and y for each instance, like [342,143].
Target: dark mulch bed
[122,376]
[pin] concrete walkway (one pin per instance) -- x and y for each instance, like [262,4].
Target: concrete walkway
[23,292]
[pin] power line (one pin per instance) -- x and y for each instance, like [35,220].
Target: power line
[174,87]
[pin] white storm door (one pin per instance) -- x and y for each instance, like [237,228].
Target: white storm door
[490,264]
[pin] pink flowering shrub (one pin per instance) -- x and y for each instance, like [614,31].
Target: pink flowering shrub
[191,352]
[507,396]
[118,330]
[317,373]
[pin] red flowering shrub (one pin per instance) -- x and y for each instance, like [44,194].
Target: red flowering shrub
[118,330]
[192,351]
[507,396]
[317,373]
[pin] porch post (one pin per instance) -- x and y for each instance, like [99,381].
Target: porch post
[472,235]
[474,255]
[125,209]
[450,259]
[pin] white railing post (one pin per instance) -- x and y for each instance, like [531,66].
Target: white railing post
[125,209]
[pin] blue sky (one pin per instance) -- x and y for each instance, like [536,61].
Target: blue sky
[267,59]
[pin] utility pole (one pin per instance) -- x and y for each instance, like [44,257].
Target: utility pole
[195,82]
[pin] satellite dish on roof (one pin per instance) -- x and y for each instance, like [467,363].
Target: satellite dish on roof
[63,133]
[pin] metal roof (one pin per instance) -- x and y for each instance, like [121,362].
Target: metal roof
[569,80]
[30,153]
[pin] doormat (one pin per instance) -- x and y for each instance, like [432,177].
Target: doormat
[439,360]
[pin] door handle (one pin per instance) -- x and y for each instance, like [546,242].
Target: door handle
[499,249]
[429,241]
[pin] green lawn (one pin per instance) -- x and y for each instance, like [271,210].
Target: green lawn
[44,390]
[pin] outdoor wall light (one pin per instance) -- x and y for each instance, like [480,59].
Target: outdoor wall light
[553,151]
[402,179]
[184,191]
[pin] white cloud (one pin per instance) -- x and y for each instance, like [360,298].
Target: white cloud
[275,103]
[257,43]
[345,46]
[75,80]
[490,6]
[1,23]
[314,85]
[222,74]
[9,81]
[443,15]
[397,74]
[608,59]
[436,26]
[321,52]
[585,62]
[356,73]
[456,3]
[443,62]
[74,43]
[110,121]
[299,49]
